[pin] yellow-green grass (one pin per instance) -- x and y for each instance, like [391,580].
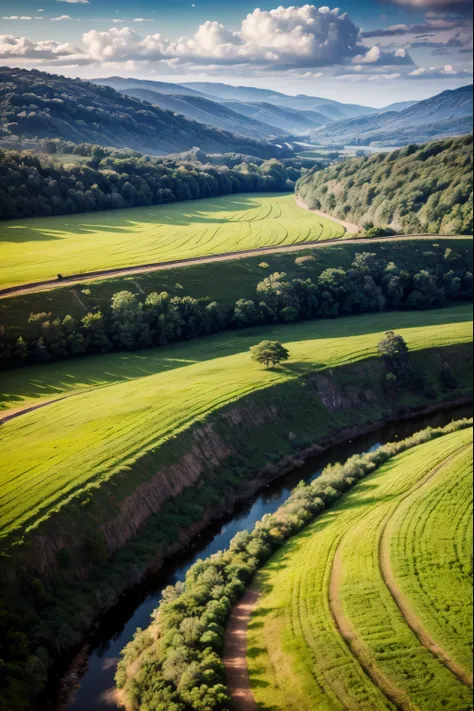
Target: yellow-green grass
[225,282]
[124,406]
[38,249]
[298,659]
[431,553]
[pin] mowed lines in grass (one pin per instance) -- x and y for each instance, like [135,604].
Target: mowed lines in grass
[298,659]
[75,444]
[38,249]
[333,340]
[430,540]
[383,636]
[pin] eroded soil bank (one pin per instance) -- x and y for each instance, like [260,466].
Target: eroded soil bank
[87,684]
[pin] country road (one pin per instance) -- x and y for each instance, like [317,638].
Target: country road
[159,266]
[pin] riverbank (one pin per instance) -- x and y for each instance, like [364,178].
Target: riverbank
[245,445]
[147,659]
[65,683]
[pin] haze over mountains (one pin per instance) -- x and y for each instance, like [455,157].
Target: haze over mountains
[267,114]
[162,118]
[446,114]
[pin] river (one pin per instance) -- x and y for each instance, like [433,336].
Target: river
[117,627]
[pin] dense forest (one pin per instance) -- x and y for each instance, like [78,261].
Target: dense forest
[37,104]
[37,186]
[412,190]
[132,322]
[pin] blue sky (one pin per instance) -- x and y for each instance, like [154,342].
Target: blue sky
[370,51]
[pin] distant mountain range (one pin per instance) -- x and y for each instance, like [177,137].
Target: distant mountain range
[266,114]
[161,118]
[447,114]
[35,104]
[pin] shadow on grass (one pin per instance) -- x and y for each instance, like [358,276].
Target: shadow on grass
[52,379]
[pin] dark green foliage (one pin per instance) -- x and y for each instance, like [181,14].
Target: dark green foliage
[35,186]
[132,322]
[415,189]
[183,648]
[48,106]
[270,353]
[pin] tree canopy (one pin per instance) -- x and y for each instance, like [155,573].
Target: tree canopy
[270,353]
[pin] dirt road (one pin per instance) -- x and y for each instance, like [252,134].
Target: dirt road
[235,653]
[160,266]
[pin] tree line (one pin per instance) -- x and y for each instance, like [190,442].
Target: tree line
[133,322]
[37,186]
[416,189]
[179,658]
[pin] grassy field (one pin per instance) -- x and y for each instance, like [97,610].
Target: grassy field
[125,406]
[425,549]
[39,249]
[225,282]
[327,634]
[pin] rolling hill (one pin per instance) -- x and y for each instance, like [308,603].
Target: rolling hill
[299,103]
[40,105]
[415,189]
[207,112]
[447,114]
[280,118]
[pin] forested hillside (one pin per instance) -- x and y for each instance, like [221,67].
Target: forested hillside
[36,104]
[415,189]
[37,186]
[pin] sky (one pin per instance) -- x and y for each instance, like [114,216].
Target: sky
[372,52]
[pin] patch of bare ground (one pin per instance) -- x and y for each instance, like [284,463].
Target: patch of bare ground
[235,653]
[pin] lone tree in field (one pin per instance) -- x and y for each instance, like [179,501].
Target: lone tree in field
[270,353]
[394,349]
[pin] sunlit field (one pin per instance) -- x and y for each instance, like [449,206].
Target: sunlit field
[117,408]
[39,249]
[328,632]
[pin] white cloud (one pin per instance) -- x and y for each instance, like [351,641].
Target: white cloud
[61,18]
[440,72]
[375,56]
[22,47]
[287,37]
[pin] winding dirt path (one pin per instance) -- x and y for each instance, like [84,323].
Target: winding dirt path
[46,285]
[235,652]
[349,226]
[401,600]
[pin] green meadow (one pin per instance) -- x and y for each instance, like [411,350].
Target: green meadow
[39,249]
[328,635]
[224,282]
[117,408]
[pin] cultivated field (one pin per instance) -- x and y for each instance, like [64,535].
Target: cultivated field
[38,249]
[344,623]
[118,408]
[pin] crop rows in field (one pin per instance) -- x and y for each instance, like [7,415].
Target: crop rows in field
[133,403]
[424,548]
[327,633]
[38,249]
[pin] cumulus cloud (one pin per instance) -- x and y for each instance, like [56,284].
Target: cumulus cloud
[288,37]
[440,72]
[376,57]
[24,48]
[61,18]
